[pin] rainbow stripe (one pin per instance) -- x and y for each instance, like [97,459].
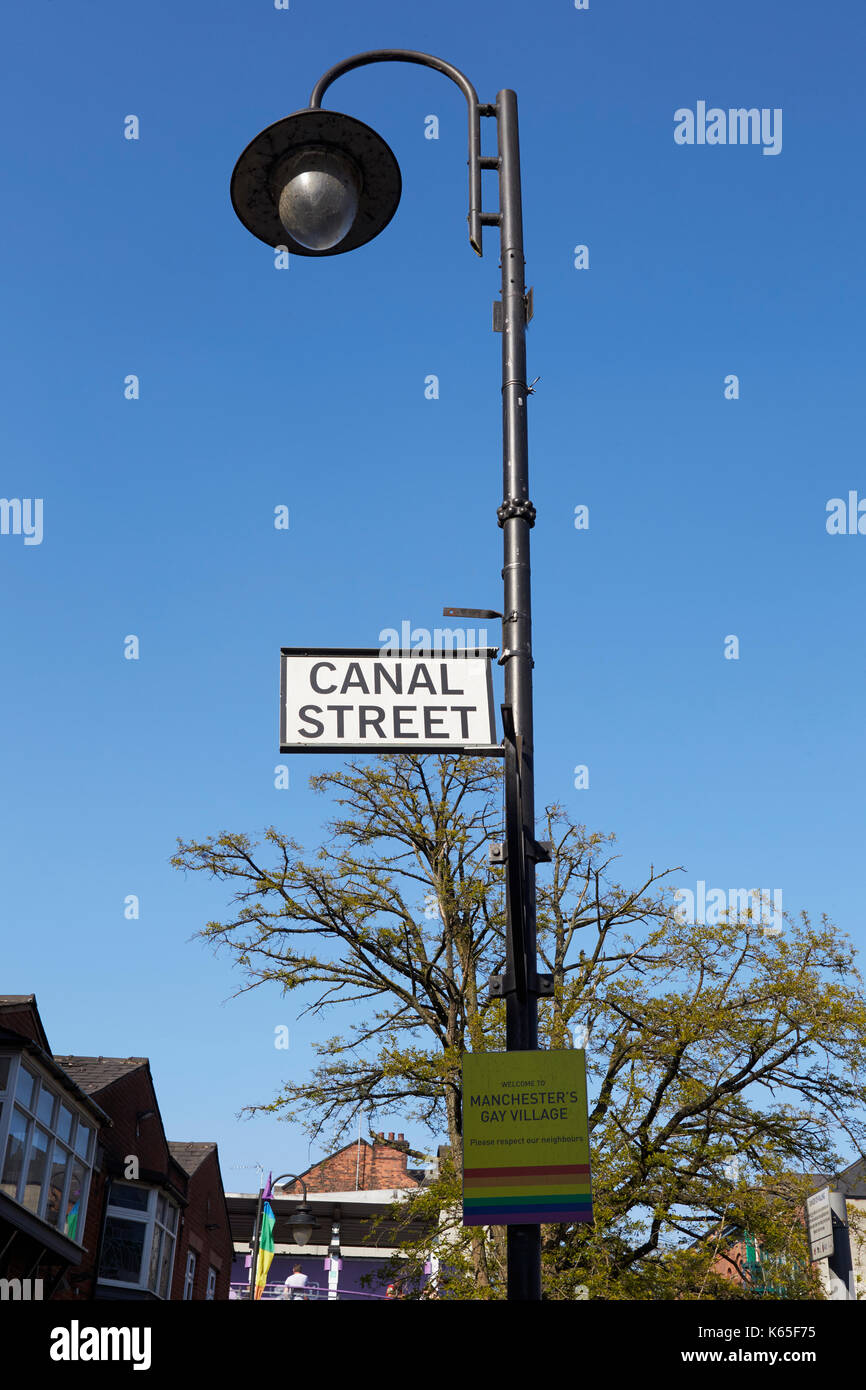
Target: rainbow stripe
[539,1191]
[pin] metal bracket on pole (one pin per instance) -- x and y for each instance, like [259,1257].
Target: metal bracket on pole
[501,985]
[541,851]
[470,613]
[498,321]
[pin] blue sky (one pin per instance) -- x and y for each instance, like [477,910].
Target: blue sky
[305,387]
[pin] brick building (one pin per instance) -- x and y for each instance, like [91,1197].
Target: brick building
[204,1266]
[365,1167]
[159,1227]
[94,1200]
[49,1150]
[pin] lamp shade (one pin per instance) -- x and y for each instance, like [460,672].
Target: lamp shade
[301,1223]
[317,182]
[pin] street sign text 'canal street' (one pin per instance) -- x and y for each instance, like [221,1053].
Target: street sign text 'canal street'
[362,700]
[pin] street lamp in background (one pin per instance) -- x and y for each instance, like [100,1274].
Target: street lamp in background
[320,183]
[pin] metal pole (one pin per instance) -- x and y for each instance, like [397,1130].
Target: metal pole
[254,1253]
[516,517]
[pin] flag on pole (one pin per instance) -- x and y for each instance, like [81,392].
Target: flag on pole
[266,1247]
[72,1220]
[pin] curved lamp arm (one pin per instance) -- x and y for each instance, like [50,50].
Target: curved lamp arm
[426,60]
[276,1181]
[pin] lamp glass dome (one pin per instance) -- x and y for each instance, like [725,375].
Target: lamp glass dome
[302,1223]
[318,201]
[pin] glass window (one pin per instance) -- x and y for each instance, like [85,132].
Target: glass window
[26,1086]
[63,1128]
[35,1168]
[123,1249]
[165,1269]
[82,1141]
[56,1184]
[153,1272]
[211,1283]
[45,1105]
[135,1198]
[75,1201]
[36,1165]
[16,1144]
[153,1252]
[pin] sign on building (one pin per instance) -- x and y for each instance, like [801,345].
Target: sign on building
[819,1219]
[525,1138]
[361,700]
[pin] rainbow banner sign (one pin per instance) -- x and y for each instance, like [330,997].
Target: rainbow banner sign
[525,1138]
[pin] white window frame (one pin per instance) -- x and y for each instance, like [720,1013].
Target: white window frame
[9,1103]
[154,1230]
[211,1283]
[189,1276]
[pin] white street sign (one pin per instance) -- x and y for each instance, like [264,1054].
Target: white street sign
[820,1223]
[366,701]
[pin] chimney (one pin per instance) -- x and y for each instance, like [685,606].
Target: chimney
[389,1163]
[390,1141]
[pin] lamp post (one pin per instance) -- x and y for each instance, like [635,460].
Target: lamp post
[320,183]
[301,1222]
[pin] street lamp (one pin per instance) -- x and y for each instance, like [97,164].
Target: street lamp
[320,183]
[302,1219]
[301,1222]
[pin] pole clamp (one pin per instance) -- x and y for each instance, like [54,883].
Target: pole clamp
[500,986]
[516,507]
